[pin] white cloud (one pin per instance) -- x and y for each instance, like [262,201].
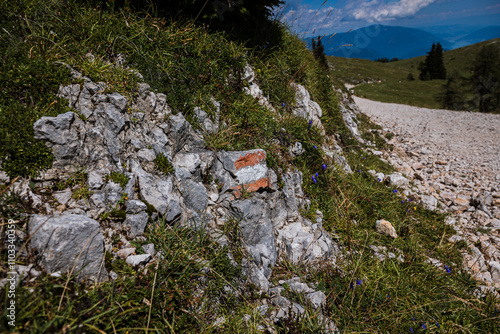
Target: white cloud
[351,14]
[374,11]
[304,20]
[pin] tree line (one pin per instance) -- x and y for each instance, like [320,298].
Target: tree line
[386,60]
[478,91]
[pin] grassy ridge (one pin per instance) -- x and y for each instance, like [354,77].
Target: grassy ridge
[187,292]
[394,87]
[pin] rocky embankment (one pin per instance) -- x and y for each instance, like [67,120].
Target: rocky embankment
[124,163]
[453,160]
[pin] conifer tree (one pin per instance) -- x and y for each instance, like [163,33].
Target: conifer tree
[439,70]
[319,52]
[485,79]
[433,66]
[453,92]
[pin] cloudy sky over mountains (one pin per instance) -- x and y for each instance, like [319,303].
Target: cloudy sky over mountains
[310,17]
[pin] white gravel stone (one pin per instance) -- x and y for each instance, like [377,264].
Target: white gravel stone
[135,260]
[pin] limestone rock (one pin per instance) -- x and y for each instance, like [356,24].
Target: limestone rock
[384,227]
[135,224]
[149,249]
[61,241]
[253,89]
[429,202]
[461,200]
[306,243]
[195,195]
[257,231]
[59,133]
[350,121]
[397,180]
[293,192]
[158,191]
[495,271]
[63,196]
[306,108]
[135,206]
[125,252]
[117,100]
[316,298]
[182,135]
[208,126]
[418,166]
[109,117]
[137,260]
[95,180]
[296,149]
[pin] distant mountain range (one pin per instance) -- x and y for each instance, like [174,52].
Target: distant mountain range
[379,41]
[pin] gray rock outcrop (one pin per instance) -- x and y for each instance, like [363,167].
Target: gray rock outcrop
[71,244]
[306,108]
[107,137]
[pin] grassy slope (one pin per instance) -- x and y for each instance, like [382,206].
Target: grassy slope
[363,296]
[394,86]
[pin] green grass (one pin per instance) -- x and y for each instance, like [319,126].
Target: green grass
[163,165]
[392,296]
[188,290]
[118,178]
[394,87]
[414,93]
[191,261]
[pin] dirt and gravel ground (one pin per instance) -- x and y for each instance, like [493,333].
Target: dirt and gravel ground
[472,138]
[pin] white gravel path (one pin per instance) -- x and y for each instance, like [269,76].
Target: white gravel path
[471,138]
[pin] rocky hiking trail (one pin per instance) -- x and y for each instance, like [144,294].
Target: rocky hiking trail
[453,159]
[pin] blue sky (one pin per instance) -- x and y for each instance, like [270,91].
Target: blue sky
[310,17]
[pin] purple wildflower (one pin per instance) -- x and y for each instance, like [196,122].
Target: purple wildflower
[395,191]
[411,330]
[437,324]
[324,167]
[314,179]
[358,282]
[423,326]
[283,104]
[379,180]
[317,175]
[315,147]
